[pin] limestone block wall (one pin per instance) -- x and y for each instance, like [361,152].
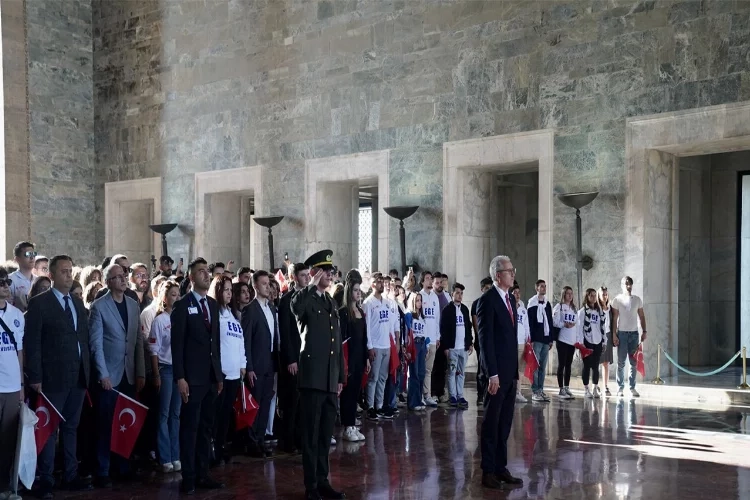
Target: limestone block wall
[183,87]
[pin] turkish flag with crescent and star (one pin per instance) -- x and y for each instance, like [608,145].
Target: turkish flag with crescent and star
[127,422]
[49,421]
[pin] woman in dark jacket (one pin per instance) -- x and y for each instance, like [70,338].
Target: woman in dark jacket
[354,336]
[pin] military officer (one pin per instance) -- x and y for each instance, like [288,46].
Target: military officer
[321,373]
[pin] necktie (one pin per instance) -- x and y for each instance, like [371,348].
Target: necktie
[69,312]
[510,310]
[206,321]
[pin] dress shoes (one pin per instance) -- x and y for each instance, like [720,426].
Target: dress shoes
[187,487]
[77,484]
[491,481]
[45,491]
[326,491]
[312,495]
[208,483]
[507,478]
[103,482]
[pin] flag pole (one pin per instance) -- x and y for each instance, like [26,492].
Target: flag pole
[130,399]
[52,406]
[17,459]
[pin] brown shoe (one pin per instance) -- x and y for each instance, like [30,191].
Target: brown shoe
[491,481]
[507,478]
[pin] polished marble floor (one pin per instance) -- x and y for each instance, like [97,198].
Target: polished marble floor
[601,449]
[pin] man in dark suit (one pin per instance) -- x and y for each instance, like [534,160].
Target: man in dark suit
[261,350]
[321,373]
[497,319]
[291,436]
[56,343]
[196,363]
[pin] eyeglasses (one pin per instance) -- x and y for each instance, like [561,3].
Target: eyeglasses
[511,271]
[30,254]
[44,269]
[6,282]
[127,270]
[120,277]
[141,276]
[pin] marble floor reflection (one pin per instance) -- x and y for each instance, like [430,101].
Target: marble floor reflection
[613,449]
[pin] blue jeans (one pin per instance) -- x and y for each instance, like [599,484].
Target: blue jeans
[168,434]
[456,368]
[628,345]
[378,376]
[416,374]
[541,349]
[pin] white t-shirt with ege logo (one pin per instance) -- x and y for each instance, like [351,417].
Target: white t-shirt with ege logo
[10,371]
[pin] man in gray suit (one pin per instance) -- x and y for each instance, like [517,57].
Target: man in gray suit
[117,351]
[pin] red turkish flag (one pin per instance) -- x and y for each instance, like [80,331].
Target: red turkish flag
[640,366]
[585,351]
[127,422]
[49,421]
[245,408]
[532,363]
[394,361]
[283,284]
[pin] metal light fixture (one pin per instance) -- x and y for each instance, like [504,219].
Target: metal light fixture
[401,213]
[163,229]
[578,201]
[269,222]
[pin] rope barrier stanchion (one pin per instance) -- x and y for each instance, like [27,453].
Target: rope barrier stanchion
[744,385]
[658,380]
[697,374]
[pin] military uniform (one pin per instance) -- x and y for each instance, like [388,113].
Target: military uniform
[321,363]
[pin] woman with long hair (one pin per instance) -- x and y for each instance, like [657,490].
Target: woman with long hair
[89,293]
[564,317]
[608,354]
[416,327]
[170,402]
[90,274]
[41,284]
[241,298]
[233,361]
[354,333]
[591,327]
[76,290]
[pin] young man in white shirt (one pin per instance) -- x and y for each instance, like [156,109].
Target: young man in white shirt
[627,310]
[22,279]
[11,381]
[431,315]
[380,328]
[455,332]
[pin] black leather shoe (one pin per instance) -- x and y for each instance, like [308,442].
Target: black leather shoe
[103,482]
[78,484]
[326,491]
[187,487]
[45,491]
[491,481]
[312,495]
[507,478]
[208,483]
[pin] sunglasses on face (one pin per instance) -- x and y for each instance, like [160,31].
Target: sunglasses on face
[6,282]
[30,254]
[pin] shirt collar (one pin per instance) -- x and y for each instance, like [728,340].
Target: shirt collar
[263,302]
[502,293]
[198,297]
[59,294]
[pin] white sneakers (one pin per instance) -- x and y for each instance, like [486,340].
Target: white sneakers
[565,393]
[634,393]
[353,435]
[597,392]
[167,468]
[540,396]
[588,394]
[443,399]
[520,398]
[177,465]
[333,441]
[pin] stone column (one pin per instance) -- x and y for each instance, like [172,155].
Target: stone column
[223,221]
[338,202]
[745,265]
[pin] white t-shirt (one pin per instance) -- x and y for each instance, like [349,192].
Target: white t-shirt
[460,329]
[19,290]
[561,314]
[627,307]
[523,332]
[10,372]
[379,321]
[232,344]
[431,315]
[147,317]
[160,338]
[418,327]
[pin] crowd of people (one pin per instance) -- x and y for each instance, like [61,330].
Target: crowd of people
[184,342]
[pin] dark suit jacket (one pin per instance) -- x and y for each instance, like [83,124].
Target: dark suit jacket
[498,336]
[195,348]
[288,331]
[448,327]
[321,364]
[51,345]
[260,359]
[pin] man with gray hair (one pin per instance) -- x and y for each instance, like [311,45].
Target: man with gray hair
[497,319]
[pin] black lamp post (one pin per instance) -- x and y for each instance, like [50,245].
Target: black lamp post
[401,213]
[163,229]
[269,222]
[578,201]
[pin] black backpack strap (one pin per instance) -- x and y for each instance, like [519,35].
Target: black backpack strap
[10,333]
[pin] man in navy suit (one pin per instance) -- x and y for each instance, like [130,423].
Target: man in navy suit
[497,319]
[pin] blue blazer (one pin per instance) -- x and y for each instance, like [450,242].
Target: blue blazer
[497,336]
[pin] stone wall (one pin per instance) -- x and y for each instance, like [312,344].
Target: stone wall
[61,128]
[183,87]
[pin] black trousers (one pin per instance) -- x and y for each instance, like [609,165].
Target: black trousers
[149,396]
[349,399]
[224,410]
[263,393]
[498,418]
[291,433]
[438,373]
[481,377]
[565,354]
[196,424]
[318,416]
[591,363]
